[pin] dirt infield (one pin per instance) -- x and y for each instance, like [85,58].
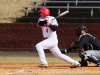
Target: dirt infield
[26,63]
[53,69]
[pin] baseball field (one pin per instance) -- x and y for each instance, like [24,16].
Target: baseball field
[26,63]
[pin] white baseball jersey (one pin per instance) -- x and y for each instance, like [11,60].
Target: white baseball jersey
[47,32]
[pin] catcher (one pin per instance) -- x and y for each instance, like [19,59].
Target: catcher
[90,44]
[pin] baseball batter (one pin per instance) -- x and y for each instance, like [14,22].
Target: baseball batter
[49,26]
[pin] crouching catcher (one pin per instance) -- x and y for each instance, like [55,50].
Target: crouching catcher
[90,45]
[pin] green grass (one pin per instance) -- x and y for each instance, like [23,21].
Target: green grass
[18,60]
[28,60]
[32,58]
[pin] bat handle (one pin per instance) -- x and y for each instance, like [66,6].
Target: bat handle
[56,17]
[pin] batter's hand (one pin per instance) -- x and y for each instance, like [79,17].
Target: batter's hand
[49,22]
[42,23]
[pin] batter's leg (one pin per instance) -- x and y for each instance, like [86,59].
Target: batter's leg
[41,54]
[45,44]
[57,53]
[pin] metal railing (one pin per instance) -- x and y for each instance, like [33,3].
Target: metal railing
[45,1]
[35,7]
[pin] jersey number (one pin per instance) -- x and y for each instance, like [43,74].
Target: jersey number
[47,30]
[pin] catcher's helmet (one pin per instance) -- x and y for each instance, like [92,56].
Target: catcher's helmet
[44,11]
[79,28]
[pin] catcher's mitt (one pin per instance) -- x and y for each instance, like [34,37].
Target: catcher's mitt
[87,46]
[63,51]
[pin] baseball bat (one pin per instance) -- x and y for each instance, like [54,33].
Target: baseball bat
[62,14]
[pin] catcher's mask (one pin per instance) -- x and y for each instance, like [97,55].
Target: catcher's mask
[79,29]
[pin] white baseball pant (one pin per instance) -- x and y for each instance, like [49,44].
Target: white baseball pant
[51,43]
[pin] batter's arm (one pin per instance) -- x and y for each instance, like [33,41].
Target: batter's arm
[53,27]
[41,23]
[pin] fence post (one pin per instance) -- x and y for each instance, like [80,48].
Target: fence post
[44,2]
[35,3]
[67,6]
[58,11]
[91,12]
[26,13]
[76,2]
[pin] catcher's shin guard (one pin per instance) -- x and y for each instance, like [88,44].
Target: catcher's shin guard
[82,56]
[93,59]
[83,63]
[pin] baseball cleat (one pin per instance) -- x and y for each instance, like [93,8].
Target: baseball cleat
[43,65]
[98,64]
[75,65]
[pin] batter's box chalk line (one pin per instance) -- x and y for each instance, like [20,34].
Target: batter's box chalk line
[15,72]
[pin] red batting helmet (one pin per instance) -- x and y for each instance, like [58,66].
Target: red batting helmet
[44,11]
